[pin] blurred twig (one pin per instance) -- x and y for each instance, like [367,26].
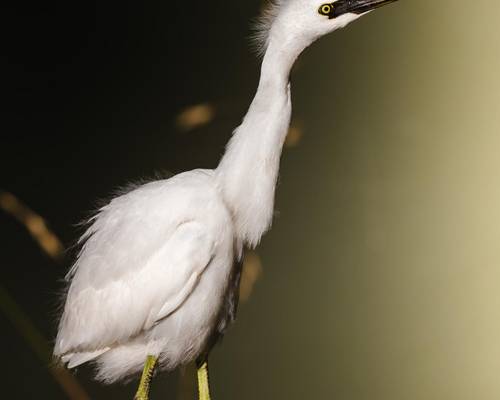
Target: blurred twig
[250,274]
[34,223]
[295,134]
[195,116]
[39,345]
[53,247]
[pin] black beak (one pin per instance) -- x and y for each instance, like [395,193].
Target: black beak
[351,6]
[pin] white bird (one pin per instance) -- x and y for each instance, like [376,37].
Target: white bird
[156,281]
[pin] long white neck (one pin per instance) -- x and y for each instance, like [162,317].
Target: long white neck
[248,171]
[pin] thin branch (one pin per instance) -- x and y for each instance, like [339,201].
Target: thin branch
[34,223]
[39,345]
[52,246]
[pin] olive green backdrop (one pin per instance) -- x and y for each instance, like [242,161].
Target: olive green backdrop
[381,275]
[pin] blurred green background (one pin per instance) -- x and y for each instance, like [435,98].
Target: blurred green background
[381,274]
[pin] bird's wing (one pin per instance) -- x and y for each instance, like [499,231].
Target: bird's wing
[100,314]
[190,250]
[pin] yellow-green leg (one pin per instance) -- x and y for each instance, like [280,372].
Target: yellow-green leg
[147,374]
[203,386]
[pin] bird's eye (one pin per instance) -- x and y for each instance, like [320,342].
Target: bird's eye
[326,9]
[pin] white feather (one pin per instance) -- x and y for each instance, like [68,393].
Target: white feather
[75,359]
[144,255]
[262,26]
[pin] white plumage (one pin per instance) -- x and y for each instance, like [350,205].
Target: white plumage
[143,256]
[156,274]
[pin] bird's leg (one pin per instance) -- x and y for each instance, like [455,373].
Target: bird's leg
[147,374]
[203,385]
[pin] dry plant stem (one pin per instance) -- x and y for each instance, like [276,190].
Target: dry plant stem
[39,345]
[52,246]
[147,374]
[203,385]
[34,223]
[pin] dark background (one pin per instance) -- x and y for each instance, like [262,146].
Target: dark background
[92,94]
[381,272]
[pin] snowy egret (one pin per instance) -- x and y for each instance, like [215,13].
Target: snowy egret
[155,284]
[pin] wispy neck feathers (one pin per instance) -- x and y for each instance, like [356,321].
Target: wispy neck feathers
[248,171]
[263,24]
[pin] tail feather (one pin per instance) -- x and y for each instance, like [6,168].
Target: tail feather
[75,359]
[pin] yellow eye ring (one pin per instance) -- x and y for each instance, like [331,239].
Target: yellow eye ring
[325,9]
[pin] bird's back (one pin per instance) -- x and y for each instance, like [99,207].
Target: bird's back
[104,304]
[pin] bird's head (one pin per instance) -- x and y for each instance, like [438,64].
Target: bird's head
[307,20]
